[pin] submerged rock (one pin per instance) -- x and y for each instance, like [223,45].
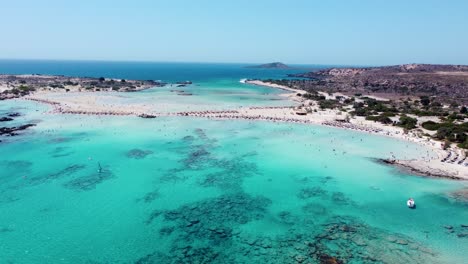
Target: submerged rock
[11,131]
[138,153]
[212,222]
[345,240]
[14,114]
[5,119]
[89,182]
[315,209]
[340,198]
[460,195]
[147,116]
[150,196]
[61,152]
[310,192]
[327,259]
[70,170]
[5,230]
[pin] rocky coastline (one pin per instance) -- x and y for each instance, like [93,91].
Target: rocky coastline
[419,170]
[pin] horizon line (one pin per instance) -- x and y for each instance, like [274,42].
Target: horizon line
[219,62]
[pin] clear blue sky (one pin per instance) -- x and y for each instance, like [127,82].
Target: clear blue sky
[356,32]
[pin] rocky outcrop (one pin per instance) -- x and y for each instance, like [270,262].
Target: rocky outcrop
[11,131]
[444,81]
[5,119]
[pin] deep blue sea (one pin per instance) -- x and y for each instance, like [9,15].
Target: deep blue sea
[165,71]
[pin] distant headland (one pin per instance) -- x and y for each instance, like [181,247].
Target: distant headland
[273,65]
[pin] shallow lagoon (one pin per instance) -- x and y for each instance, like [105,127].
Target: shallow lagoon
[77,189]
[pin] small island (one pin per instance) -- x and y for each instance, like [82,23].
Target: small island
[273,65]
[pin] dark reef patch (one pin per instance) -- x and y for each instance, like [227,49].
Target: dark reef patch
[340,199]
[12,131]
[200,155]
[138,153]
[199,239]
[211,223]
[288,218]
[149,197]
[196,158]
[5,230]
[231,173]
[5,119]
[89,182]
[315,209]
[345,240]
[460,195]
[237,208]
[69,170]
[173,176]
[188,138]
[15,114]
[60,152]
[17,164]
[60,140]
[310,192]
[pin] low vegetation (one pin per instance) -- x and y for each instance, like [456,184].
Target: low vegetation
[403,113]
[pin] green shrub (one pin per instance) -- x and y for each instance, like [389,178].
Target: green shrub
[407,122]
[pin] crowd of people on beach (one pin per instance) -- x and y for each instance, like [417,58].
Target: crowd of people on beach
[83,112]
[205,113]
[270,107]
[351,126]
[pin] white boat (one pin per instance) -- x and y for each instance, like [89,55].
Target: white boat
[411,204]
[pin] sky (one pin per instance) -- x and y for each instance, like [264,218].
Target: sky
[339,32]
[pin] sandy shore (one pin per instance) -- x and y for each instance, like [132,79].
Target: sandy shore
[277,86]
[454,166]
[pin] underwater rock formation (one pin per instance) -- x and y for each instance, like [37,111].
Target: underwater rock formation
[460,195]
[59,152]
[138,153]
[310,192]
[211,222]
[11,131]
[5,119]
[149,197]
[89,182]
[70,170]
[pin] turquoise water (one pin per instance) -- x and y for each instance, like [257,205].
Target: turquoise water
[83,189]
[195,190]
